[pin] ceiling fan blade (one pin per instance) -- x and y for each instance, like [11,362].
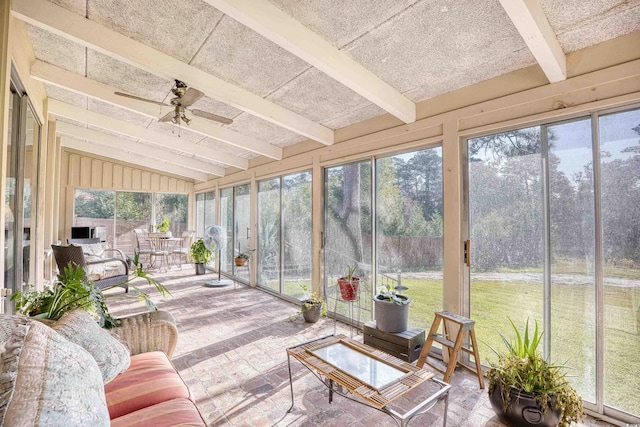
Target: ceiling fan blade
[167,117]
[190,96]
[211,116]
[126,95]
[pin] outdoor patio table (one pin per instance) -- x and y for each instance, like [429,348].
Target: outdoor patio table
[366,375]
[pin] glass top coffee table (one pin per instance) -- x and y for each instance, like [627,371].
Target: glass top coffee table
[366,375]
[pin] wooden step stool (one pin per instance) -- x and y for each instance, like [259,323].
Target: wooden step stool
[453,347]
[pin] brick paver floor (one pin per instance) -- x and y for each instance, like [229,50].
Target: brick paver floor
[231,353]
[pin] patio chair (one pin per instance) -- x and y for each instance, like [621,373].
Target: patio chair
[185,246]
[103,271]
[143,245]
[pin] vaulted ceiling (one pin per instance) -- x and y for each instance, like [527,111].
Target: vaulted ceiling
[285,71]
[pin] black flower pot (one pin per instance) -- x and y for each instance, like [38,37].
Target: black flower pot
[524,410]
[312,313]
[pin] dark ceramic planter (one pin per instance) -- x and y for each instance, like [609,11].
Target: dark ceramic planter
[200,268]
[311,314]
[524,411]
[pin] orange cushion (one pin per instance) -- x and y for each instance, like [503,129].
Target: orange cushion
[150,379]
[176,412]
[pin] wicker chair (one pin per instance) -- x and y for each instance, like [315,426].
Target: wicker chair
[75,255]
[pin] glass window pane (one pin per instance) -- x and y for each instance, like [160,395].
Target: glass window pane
[620,177]
[269,233]
[200,215]
[409,229]
[11,199]
[242,227]
[296,233]
[506,230]
[174,207]
[96,208]
[226,221]
[572,246]
[30,195]
[133,210]
[347,231]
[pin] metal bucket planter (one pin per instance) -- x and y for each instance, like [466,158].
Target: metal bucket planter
[392,317]
[200,268]
[349,289]
[524,410]
[311,313]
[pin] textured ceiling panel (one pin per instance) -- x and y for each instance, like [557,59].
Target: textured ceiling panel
[127,78]
[224,148]
[181,131]
[457,79]
[210,105]
[341,25]
[67,96]
[318,97]
[438,39]
[264,130]
[118,113]
[175,28]
[56,50]
[76,6]
[238,55]
[564,15]
[614,23]
[354,116]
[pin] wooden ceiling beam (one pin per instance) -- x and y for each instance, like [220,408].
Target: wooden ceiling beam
[123,156]
[76,83]
[532,24]
[59,108]
[137,149]
[275,25]
[64,23]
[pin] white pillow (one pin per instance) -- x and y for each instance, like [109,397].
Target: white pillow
[47,380]
[111,354]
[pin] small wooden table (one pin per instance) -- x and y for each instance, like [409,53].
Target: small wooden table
[366,375]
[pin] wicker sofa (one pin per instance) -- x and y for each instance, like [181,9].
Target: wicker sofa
[149,392]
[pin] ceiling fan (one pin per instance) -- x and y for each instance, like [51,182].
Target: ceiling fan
[184,97]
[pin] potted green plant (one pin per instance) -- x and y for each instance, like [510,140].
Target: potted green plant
[200,255]
[313,306]
[73,290]
[241,259]
[349,285]
[163,227]
[391,310]
[527,390]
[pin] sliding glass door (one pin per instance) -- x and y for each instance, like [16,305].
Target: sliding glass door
[384,216]
[555,240]
[619,149]
[284,234]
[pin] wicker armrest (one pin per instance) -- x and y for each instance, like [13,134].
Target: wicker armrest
[150,331]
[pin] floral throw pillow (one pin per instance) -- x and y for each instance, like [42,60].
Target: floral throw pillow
[47,380]
[112,355]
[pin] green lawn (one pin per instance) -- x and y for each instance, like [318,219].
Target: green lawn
[573,322]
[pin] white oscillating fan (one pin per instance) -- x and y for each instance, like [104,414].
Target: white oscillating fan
[215,239]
